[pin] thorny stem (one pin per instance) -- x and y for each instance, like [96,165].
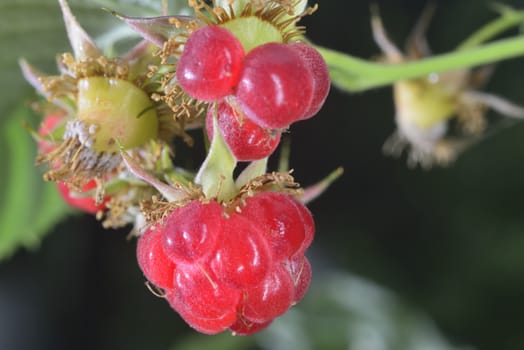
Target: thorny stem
[355,74]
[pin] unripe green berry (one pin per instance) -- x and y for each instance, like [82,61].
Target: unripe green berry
[119,110]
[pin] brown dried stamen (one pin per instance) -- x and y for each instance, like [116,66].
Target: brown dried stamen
[74,161]
[65,85]
[281,182]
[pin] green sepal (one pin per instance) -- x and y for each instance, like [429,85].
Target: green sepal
[216,173]
[254,169]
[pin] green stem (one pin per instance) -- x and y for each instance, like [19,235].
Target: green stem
[507,20]
[355,74]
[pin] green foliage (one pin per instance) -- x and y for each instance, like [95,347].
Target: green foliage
[28,206]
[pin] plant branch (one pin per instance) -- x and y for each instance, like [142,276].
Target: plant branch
[354,74]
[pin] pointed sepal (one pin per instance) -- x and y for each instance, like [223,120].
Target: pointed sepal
[216,173]
[82,44]
[314,191]
[253,170]
[172,194]
[160,29]
[33,76]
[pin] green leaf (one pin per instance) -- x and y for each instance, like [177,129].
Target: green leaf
[222,341]
[343,311]
[28,206]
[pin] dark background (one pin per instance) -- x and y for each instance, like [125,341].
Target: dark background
[449,241]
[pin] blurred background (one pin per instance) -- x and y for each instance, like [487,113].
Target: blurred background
[402,259]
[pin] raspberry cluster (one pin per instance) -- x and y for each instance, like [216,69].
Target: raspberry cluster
[226,245]
[231,270]
[258,93]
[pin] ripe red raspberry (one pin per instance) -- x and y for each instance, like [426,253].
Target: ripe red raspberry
[309,226]
[275,87]
[84,203]
[236,271]
[247,140]
[300,271]
[283,222]
[191,231]
[152,260]
[202,324]
[269,299]
[320,73]
[209,66]
[243,258]
[245,327]
[202,294]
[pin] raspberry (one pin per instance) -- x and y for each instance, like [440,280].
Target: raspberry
[300,271]
[201,294]
[238,271]
[246,139]
[202,324]
[282,222]
[320,73]
[243,258]
[191,231]
[87,203]
[117,111]
[269,299]
[209,66]
[309,226]
[152,260]
[275,87]
[245,327]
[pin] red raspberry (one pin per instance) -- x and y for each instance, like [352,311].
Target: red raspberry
[202,324]
[300,271]
[209,66]
[202,294]
[245,327]
[275,87]
[247,140]
[86,204]
[237,272]
[243,258]
[152,260]
[320,73]
[282,221]
[269,299]
[191,231]
[309,226]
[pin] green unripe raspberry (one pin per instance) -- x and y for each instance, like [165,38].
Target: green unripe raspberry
[120,111]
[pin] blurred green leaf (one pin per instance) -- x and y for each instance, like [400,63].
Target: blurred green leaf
[222,341]
[344,311]
[29,207]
